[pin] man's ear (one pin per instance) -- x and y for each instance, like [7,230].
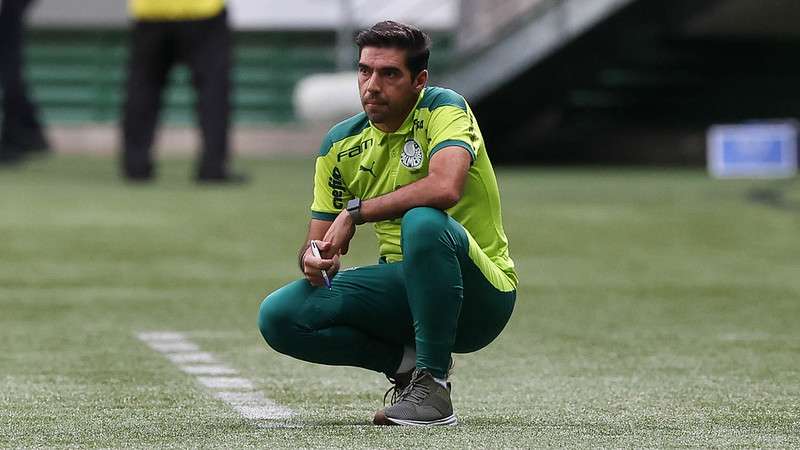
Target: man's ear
[421,80]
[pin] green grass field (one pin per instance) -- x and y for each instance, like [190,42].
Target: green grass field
[656,309]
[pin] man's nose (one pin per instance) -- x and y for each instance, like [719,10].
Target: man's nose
[372,84]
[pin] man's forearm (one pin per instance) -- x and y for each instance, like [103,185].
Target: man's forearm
[424,192]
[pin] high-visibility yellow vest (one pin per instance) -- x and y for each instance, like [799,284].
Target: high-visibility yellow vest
[175,9]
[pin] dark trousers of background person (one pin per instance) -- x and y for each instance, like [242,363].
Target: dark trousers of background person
[205,46]
[21,130]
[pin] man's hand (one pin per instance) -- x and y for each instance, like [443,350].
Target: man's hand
[313,266]
[339,235]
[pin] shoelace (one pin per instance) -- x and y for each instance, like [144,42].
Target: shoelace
[395,395]
[394,390]
[414,393]
[398,394]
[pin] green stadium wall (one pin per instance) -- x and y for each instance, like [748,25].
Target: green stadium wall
[77,76]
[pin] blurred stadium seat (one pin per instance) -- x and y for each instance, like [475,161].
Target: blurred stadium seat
[77,75]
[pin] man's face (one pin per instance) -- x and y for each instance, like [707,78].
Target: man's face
[387,89]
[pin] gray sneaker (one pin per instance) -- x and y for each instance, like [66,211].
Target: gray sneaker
[422,402]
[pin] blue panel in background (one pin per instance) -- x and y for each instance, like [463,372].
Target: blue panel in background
[753,152]
[758,150]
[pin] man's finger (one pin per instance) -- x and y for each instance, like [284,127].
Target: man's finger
[319,263]
[332,272]
[326,249]
[323,245]
[329,254]
[314,278]
[334,269]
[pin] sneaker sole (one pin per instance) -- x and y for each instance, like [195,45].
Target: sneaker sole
[447,421]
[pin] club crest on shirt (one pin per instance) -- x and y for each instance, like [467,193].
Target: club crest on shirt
[411,156]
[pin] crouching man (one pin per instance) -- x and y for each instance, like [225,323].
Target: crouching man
[415,165]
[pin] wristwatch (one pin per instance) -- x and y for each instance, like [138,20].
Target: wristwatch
[354,209]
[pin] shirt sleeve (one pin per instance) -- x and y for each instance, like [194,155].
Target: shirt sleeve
[330,191]
[451,126]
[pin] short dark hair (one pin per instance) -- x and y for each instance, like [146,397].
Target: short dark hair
[390,34]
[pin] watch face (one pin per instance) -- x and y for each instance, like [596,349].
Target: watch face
[412,155]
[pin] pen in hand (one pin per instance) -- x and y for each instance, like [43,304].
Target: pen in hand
[315,252]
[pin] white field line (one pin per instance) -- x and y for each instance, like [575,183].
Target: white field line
[245,400]
[209,369]
[156,336]
[253,405]
[173,346]
[225,382]
[193,357]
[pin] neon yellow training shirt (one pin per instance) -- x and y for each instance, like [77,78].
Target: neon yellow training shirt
[357,159]
[175,9]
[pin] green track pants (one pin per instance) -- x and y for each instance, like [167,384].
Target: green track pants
[436,299]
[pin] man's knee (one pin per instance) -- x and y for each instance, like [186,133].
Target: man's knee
[276,318]
[422,227]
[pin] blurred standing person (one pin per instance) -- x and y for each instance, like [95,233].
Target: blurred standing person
[194,32]
[21,132]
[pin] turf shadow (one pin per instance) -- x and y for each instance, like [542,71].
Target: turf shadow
[774,197]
